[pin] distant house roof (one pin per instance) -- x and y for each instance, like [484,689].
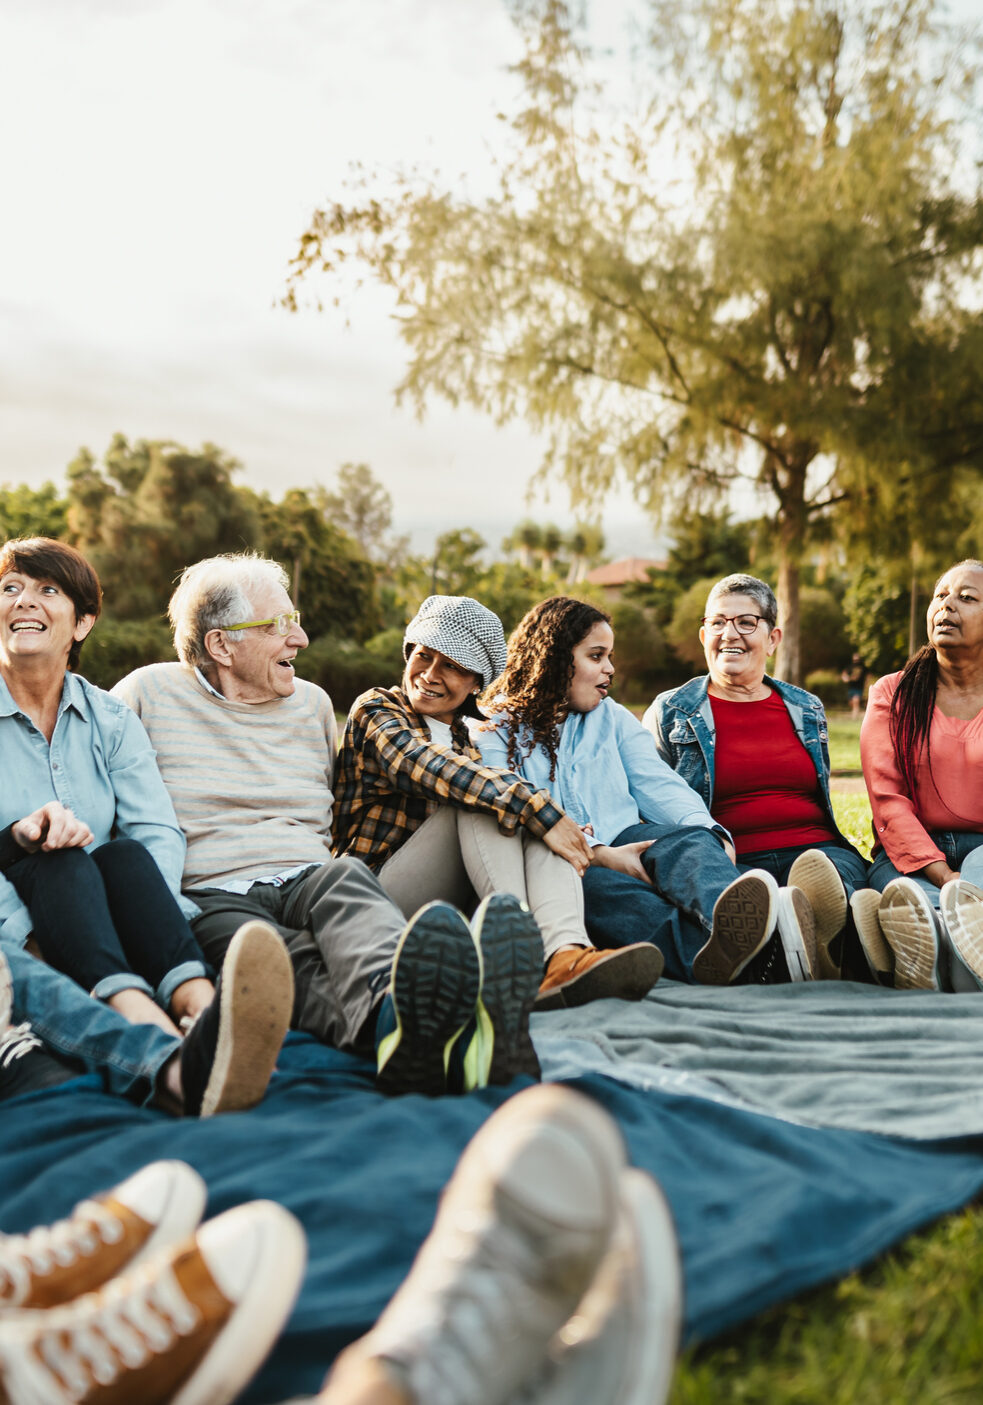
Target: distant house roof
[624,572]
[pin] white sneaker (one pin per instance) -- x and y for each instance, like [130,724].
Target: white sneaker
[6,995]
[521,1230]
[864,905]
[910,926]
[189,1327]
[817,875]
[619,1347]
[743,920]
[103,1236]
[797,934]
[961,903]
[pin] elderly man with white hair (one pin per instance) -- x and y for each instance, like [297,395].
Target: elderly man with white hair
[247,751]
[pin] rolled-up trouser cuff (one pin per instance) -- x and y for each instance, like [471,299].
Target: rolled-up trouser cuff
[187,971]
[124,980]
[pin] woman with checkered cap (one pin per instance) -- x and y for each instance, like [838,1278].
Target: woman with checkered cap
[414,801]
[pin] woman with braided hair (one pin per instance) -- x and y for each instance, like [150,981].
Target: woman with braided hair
[921,745]
[662,870]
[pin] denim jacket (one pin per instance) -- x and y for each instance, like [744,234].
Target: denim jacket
[681,720]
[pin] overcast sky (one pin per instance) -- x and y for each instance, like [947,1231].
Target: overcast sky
[160,159]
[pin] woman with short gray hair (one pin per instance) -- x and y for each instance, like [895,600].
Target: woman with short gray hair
[756,749]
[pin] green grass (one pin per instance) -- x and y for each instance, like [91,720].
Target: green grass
[907,1331]
[844,744]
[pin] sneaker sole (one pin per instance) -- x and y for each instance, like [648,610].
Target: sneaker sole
[6,995]
[511,946]
[626,973]
[279,1256]
[653,1293]
[815,873]
[435,986]
[536,1192]
[905,915]
[796,932]
[743,920]
[864,904]
[965,928]
[256,1003]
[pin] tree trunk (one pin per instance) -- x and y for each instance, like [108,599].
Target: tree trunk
[791,544]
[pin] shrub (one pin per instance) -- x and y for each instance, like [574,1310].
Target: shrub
[827,684]
[116,647]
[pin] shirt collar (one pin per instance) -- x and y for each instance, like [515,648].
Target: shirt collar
[72,695]
[207,686]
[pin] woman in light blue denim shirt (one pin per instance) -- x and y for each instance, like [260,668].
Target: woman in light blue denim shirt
[779,751]
[662,870]
[83,798]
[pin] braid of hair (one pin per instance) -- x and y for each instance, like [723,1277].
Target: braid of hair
[538,670]
[911,713]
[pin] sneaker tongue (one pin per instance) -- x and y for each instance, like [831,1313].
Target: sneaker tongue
[197,1055]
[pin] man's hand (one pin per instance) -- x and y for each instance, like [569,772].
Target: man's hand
[51,827]
[567,840]
[624,858]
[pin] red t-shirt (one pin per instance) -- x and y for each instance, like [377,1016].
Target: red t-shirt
[765,788]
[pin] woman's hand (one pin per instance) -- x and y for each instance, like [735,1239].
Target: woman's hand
[938,872]
[624,858]
[566,839]
[51,827]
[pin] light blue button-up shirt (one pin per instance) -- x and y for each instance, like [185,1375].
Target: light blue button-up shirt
[101,766]
[608,773]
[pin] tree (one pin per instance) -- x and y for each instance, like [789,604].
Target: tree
[363,508]
[796,302]
[153,509]
[334,586]
[32,512]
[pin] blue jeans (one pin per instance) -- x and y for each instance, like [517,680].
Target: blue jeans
[689,870]
[958,847]
[85,1032]
[108,919]
[851,867]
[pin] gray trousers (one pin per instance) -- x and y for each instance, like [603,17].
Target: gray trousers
[458,854]
[341,931]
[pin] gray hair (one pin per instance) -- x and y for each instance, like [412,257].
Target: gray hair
[759,591]
[215,593]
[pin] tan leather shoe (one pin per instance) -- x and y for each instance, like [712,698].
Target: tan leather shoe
[578,974]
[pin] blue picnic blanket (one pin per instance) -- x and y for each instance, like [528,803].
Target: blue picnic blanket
[764,1207]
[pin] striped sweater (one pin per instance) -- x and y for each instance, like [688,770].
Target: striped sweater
[251,782]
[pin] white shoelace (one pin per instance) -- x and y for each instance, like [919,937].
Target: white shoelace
[24,1257]
[95,1339]
[16,1041]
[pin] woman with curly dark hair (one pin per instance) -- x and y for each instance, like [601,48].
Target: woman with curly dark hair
[921,745]
[414,802]
[661,869]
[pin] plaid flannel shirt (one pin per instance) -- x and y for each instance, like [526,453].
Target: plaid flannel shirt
[391,775]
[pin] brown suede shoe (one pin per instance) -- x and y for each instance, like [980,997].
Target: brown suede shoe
[578,974]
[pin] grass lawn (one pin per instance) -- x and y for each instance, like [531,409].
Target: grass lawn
[907,1331]
[844,744]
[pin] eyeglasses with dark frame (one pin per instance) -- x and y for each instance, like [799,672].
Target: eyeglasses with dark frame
[282,622]
[744,624]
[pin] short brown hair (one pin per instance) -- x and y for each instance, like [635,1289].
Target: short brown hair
[43,558]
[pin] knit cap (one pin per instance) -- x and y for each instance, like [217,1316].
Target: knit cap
[461,628]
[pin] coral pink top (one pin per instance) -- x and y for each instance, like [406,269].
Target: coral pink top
[948,798]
